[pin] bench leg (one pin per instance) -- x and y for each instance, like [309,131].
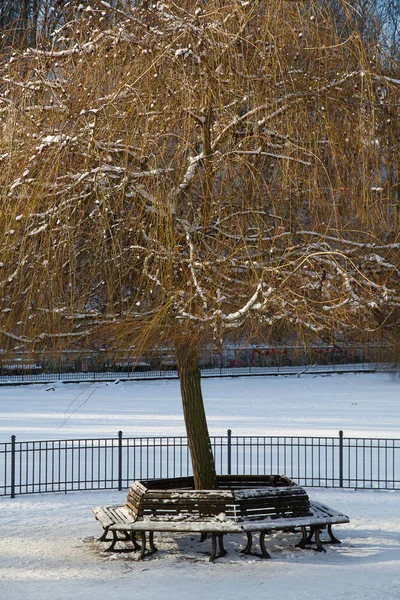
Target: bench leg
[317,531]
[114,541]
[307,539]
[304,537]
[136,546]
[127,537]
[222,551]
[143,545]
[332,539]
[143,548]
[264,553]
[213,547]
[103,537]
[151,543]
[111,547]
[247,549]
[310,536]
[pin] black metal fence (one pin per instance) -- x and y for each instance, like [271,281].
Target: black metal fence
[94,376]
[113,463]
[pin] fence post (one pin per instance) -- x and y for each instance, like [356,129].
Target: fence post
[120,460]
[341,458]
[229,451]
[13,438]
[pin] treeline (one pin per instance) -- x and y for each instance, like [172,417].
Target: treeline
[28,21]
[377,21]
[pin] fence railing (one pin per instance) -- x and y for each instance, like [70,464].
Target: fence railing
[113,463]
[310,369]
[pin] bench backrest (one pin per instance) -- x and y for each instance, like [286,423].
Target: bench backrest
[274,503]
[170,503]
[229,482]
[237,504]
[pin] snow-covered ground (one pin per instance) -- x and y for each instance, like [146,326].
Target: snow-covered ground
[48,548]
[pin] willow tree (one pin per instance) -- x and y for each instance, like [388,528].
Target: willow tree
[193,171]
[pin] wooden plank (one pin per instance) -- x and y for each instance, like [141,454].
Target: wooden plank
[283,492]
[169,483]
[102,516]
[288,523]
[137,489]
[248,481]
[180,526]
[173,501]
[133,502]
[136,493]
[123,514]
[133,508]
[268,501]
[189,494]
[326,511]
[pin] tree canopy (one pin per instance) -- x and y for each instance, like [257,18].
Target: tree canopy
[202,167]
[176,172]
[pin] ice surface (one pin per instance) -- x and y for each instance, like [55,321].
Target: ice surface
[364,405]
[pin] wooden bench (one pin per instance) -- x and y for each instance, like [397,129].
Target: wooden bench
[150,509]
[320,517]
[152,498]
[234,508]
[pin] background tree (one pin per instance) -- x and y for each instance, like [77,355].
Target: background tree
[23,22]
[195,171]
[27,22]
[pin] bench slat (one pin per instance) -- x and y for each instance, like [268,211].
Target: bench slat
[318,518]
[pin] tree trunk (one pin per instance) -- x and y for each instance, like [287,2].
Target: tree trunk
[204,473]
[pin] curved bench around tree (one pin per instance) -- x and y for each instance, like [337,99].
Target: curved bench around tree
[242,504]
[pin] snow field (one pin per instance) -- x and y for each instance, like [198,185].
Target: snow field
[48,547]
[49,552]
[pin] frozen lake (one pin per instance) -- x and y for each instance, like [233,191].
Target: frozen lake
[364,405]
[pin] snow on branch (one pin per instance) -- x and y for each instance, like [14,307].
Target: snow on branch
[192,271]
[15,337]
[239,314]
[194,163]
[335,306]
[346,241]
[395,81]
[259,152]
